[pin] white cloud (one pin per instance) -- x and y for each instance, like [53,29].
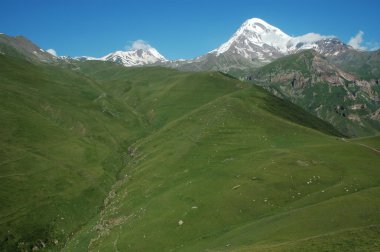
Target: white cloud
[373,46]
[311,37]
[138,44]
[357,41]
[308,39]
[52,52]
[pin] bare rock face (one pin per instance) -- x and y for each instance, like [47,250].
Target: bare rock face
[376,115]
[331,47]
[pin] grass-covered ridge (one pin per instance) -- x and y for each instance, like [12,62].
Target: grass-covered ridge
[99,157]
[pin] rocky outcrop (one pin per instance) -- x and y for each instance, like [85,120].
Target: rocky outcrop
[335,95]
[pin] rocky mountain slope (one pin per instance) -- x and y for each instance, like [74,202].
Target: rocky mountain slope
[364,64]
[308,79]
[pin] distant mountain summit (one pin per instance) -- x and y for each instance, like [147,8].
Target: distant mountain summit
[137,57]
[257,43]
[133,57]
[258,40]
[261,43]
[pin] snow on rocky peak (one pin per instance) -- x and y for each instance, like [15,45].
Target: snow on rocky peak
[258,40]
[137,57]
[325,45]
[256,32]
[139,53]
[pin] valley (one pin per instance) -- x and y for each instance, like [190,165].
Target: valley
[153,159]
[269,142]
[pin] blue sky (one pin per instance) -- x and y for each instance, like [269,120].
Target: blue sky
[178,29]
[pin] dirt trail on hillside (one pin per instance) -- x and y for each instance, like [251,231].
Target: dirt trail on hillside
[364,145]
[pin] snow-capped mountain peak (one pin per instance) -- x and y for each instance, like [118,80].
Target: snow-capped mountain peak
[256,40]
[259,31]
[135,57]
[256,32]
[139,53]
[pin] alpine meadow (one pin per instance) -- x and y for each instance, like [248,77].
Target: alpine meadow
[269,143]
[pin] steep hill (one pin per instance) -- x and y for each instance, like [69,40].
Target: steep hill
[65,137]
[309,80]
[365,64]
[239,172]
[19,46]
[62,140]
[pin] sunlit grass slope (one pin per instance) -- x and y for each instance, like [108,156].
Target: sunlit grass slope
[99,157]
[245,171]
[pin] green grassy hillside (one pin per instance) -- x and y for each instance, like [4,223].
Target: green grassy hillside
[99,157]
[235,175]
[61,145]
[21,47]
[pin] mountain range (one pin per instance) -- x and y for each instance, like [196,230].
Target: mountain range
[336,82]
[255,43]
[258,155]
